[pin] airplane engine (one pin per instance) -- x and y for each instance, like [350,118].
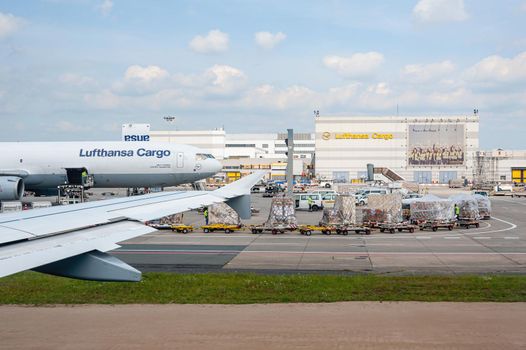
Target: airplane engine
[11,188]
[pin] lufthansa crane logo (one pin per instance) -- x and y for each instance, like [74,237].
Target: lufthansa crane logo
[326,135]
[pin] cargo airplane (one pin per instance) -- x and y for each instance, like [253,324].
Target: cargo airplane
[42,166]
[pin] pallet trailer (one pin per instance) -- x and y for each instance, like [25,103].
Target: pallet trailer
[392,228]
[468,222]
[326,230]
[182,228]
[220,227]
[255,229]
[435,225]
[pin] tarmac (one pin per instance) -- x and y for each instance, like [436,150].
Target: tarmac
[349,325]
[497,246]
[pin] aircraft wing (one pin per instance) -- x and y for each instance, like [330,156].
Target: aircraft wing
[72,240]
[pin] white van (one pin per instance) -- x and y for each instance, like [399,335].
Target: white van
[302,202]
[363,194]
[328,199]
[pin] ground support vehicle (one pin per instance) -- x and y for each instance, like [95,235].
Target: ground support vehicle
[181,228]
[220,227]
[326,230]
[392,228]
[467,222]
[435,225]
[272,229]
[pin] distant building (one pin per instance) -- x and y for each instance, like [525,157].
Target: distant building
[423,149]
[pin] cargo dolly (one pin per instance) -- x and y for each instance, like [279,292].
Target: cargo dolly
[393,227]
[220,227]
[181,228]
[468,222]
[326,230]
[272,229]
[435,225]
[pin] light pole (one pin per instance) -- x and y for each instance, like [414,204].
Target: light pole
[170,120]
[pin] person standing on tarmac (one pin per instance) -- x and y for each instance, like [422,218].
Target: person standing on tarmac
[310,201]
[205,214]
[457,211]
[84,176]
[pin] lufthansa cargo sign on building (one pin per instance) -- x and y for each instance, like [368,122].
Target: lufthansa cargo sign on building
[419,148]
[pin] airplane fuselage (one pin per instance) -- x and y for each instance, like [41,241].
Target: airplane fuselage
[46,165]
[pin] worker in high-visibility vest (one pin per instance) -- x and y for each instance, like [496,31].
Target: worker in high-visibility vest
[84,177]
[457,211]
[205,214]
[310,202]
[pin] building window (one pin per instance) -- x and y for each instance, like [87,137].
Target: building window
[503,177]
[240,145]
[265,145]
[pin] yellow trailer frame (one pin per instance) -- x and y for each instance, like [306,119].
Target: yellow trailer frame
[182,228]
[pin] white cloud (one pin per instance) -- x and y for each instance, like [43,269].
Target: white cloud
[498,69]
[9,24]
[105,7]
[380,89]
[426,72]
[440,11]
[356,65]
[267,40]
[146,74]
[102,100]
[214,41]
[225,79]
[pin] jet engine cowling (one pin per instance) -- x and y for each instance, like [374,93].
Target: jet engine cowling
[11,188]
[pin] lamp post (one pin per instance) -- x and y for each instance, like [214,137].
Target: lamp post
[170,120]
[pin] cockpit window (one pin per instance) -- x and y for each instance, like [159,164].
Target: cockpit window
[203,156]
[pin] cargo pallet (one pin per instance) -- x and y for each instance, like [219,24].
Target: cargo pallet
[220,227]
[435,225]
[182,228]
[391,228]
[467,223]
[272,229]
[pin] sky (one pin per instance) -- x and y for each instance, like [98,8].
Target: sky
[79,69]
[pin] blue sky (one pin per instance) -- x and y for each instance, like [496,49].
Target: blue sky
[78,69]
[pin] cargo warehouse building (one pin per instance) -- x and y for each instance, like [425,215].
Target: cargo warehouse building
[421,149]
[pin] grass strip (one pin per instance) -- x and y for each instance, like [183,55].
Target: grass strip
[243,288]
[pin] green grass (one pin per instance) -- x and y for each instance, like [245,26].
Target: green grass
[233,288]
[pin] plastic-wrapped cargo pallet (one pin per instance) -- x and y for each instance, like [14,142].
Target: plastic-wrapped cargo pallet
[222,213]
[169,220]
[385,208]
[282,213]
[467,203]
[432,208]
[484,205]
[343,212]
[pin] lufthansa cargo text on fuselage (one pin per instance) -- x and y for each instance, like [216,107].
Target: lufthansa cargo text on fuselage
[109,153]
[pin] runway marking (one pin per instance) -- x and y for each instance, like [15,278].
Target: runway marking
[423,237]
[481,237]
[455,237]
[511,237]
[189,252]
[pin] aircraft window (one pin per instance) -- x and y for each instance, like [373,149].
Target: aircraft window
[203,156]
